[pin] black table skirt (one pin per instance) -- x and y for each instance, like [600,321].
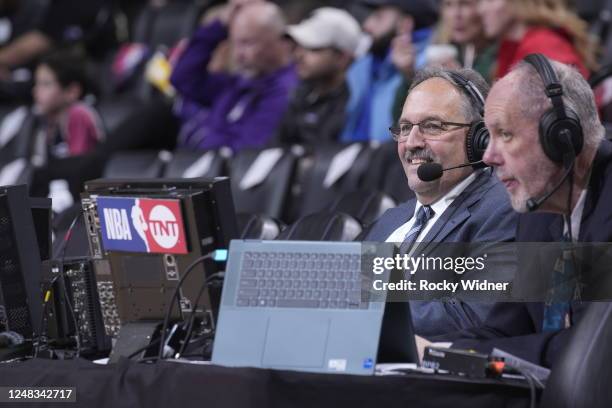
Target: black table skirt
[175,385]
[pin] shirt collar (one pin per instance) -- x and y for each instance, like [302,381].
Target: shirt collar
[443,203]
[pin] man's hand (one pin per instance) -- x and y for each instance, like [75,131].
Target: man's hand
[421,343]
[402,51]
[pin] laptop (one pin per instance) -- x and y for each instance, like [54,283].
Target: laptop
[305,306]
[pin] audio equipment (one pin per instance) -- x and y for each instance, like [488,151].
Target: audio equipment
[560,131]
[477,137]
[433,171]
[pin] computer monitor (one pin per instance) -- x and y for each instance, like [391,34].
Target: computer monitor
[20,264]
[144,233]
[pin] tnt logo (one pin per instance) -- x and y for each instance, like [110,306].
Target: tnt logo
[164,228]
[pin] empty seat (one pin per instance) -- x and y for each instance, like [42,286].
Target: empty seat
[364,206]
[261,180]
[580,378]
[387,174]
[136,164]
[190,164]
[323,226]
[335,170]
[166,25]
[257,226]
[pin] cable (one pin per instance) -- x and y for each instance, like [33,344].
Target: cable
[64,245]
[144,348]
[194,310]
[74,319]
[42,332]
[530,380]
[47,293]
[188,270]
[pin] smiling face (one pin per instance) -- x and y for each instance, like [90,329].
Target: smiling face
[514,149]
[433,99]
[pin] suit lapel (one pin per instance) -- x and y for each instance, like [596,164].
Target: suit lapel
[399,217]
[455,214]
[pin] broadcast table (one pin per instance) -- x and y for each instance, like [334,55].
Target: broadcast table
[179,385]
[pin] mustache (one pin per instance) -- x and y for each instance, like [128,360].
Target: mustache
[420,154]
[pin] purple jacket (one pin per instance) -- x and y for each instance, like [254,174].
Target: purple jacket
[219,109]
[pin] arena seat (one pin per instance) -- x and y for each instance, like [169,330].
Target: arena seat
[261,180]
[387,175]
[335,170]
[190,164]
[581,376]
[323,226]
[364,206]
[258,226]
[137,164]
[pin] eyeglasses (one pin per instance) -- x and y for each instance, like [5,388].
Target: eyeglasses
[428,127]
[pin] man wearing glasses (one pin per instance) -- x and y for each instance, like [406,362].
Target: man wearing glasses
[464,205]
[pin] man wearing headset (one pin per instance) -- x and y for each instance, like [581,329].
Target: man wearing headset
[548,149]
[441,124]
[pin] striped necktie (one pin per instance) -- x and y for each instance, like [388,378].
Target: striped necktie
[422,218]
[557,308]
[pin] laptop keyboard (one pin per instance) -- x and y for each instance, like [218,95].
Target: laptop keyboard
[301,280]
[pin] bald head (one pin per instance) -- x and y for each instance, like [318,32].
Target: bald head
[256,35]
[262,16]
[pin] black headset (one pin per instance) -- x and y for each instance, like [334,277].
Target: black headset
[560,130]
[477,137]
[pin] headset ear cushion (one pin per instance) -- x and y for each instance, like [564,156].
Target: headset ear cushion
[550,129]
[476,142]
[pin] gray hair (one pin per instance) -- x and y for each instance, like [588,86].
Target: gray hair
[471,109]
[577,95]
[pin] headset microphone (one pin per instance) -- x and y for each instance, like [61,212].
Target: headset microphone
[535,203]
[433,171]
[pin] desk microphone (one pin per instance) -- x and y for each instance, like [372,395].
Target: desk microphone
[433,171]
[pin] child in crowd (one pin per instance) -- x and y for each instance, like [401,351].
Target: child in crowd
[70,126]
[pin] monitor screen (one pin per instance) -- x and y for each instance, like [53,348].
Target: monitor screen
[20,264]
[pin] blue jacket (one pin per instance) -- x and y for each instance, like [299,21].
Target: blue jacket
[482,214]
[377,87]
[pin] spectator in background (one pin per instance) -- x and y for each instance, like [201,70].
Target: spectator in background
[37,27]
[548,27]
[326,44]
[242,109]
[62,22]
[462,27]
[374,80]
[459,42]
[70,126]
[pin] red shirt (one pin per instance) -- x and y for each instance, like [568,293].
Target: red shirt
[554,44]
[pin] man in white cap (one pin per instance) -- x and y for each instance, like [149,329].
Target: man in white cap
[326,43]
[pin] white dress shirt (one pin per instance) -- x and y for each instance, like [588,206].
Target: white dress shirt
[439,207]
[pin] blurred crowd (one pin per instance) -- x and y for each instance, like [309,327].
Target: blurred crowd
[82,80]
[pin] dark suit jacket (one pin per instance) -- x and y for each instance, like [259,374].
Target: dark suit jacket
[516,327]
[481,213]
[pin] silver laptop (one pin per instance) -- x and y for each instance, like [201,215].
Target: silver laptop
[298,305]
